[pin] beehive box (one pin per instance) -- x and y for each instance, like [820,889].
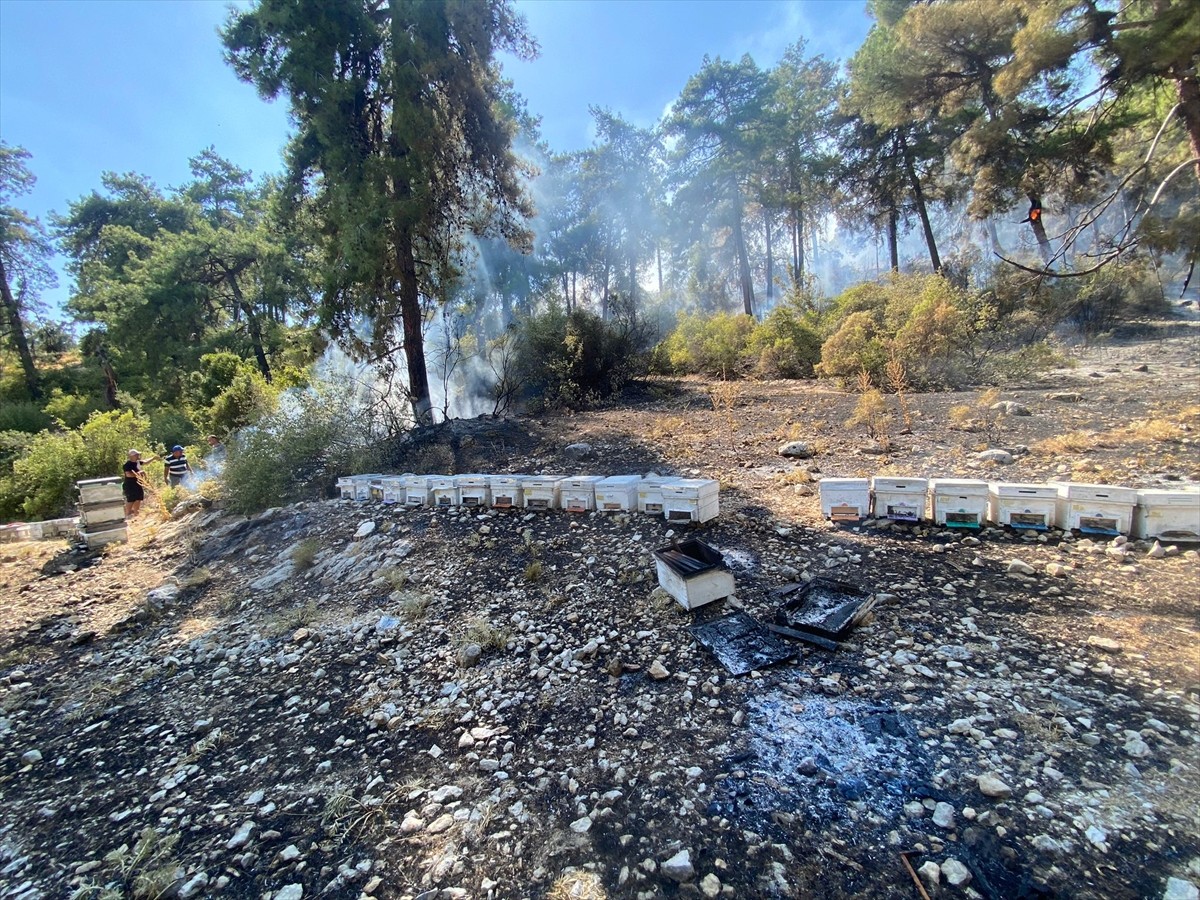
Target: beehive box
[98,538]
[444,490]
[375,489]
[99,490]
[506,490]
[845,499]
[473,490]
[578,493]
[416,489]
[393,489]
[362,485]
[345,487]
[959,502]
[617,492]
[690,499]
[98,516]
[693,573]
[1096,508]
[1033,506]
[650,495]
[1173,514]
[541,491]
[902,499]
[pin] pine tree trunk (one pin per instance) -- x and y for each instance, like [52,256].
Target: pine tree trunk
[893,242]
[256,339]
[1039,232]
[1189,111]
[770,262]
[743,259]
[658,259]
[13,313]
[919,198]
[410,317]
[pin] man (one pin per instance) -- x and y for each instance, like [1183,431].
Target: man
[132,486]
[216,451]
[175,467]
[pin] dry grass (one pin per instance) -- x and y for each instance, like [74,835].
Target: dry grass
[796,476]
[577,886]
[414,607]
[1153,430]
[486,635]
[1071,442]
[534,571]
[305,553]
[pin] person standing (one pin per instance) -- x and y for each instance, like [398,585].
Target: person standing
[175,467]
[132,486]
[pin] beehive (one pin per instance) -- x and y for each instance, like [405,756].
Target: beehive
[845,499]
[101,512]
[100,490]
[541,491]
[617,492]
[650,495]
[578,493]
[444,490]
[690,499]
[345,488]
[393,489]
[416,489]
[902,499]
[362,485]
[1173,514]
[375,489]
[473,490]
[506,490]
[94,539]
[959,502]
[1018,505]
[98,516]
[693,573]
[1096,508]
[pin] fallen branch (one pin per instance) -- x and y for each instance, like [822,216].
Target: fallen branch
[912,872]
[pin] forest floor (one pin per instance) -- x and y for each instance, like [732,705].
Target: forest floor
[353,700]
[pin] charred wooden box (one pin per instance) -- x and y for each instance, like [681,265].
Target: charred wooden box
[693,573]
[824,607]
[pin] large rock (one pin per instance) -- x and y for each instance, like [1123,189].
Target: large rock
[1010,408]
[990,785]
[796,449]
[955,872]
[1000,457]
[679,867]
[1180,889]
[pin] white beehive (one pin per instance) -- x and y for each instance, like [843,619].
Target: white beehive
[959,502]
[1019,505]
[690,499]
[100,490]
[416,489]
[473,490]
[1173,514]
[97,516]
[393,489]
[362,485]
[109,535]
[506,490]
[375,489]
[650,495]
[1095,508]
[345,488]
[902,499]
[845,499]
[617,492]
[693,573]
[578,493]
[444,490]
[541,491]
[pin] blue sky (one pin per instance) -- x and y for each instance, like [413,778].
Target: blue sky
[89,86]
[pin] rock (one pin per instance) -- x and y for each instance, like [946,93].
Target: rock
[275,577]
[29,757]
[1065,397]
[240,837]
[290,892]
[1181,889]
[1137,748]
[990,785]
[1020,567]
[1108,645]
[1000,457]
[658,671]
[578,450]
[931,873]
[943,815]
[582,825]
[1057,570]
[365,529]
[1157,551]
[193,887]
[163,595]
[440,824]
[796,450]
[955,873]
[679,867]
[1141,368]
[468,655]
[290,853]
[710,885]
[1010,408]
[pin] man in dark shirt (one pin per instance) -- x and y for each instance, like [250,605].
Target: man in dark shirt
[175,467]
[132,487]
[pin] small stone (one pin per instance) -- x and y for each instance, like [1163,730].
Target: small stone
[29,757]
[955,873]
[193,887]
[710,885]
[1137,748]
[240,837]
[943,815]
[466,741]
[365,528]
[1000,457]
[931,873]
[1020,567]
[289,853]
[1181,889]
[679,867]
[469,655]
[1057,570]
[582,825]
[1010,408]
[578,450]
[1157,551]
[290,892]
[658,671]
[440,824]
[990,785]
[1108,645]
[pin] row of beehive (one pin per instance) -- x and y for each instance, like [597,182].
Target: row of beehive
[968,503]
[101,511]
[676,499]
[37,531]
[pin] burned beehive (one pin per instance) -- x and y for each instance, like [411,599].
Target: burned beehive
[693,573]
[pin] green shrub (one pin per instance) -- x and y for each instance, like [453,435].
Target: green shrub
[171,426]
[577,358]
[23,416]
[72,410]
[246,399]
[857,346]
[1111,295]
[716,345]
[783,345]
[43,479]
[298,449]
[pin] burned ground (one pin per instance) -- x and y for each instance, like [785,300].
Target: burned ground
[298,704]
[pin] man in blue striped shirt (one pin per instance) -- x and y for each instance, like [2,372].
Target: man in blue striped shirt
[175,467]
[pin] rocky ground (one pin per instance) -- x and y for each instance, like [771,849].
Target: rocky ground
[352,700]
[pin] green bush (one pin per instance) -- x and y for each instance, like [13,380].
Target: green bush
[42,484]
[716,345]
[72,410]
[577,358]
[23,416]
[242,403]
[299,448]
[784,345]
[1113,294]
[171,426]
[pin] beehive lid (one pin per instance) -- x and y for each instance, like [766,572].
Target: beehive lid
[959,485]
[99,482]
[1019,489]
[900,485]
[1070,490]
[690,487]
[1184,496]
[581,481]
[543,481]
[620,481]
[842,484]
